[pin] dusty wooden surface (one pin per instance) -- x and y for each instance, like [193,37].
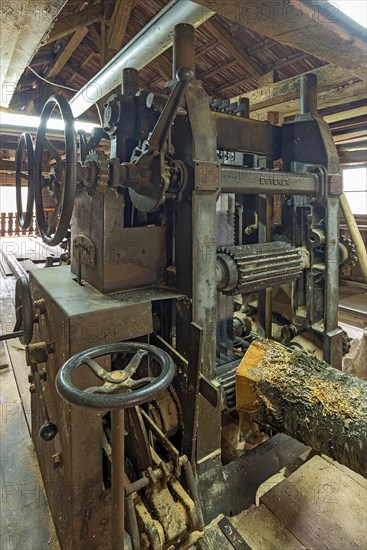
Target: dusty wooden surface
[297,394]
[322,505]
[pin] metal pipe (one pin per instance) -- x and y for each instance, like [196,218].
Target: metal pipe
[355,235]
[269,291]
[309,94]
[183,47]
[154,39]
[11,335]
[117,481]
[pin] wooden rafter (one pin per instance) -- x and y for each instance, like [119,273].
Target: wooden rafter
[216,28]
[66,52]
[68,25]
[95,35]
[164,66]
[118,24]
[215,70]
[319,29]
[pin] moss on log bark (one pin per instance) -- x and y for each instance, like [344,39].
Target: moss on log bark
[299,395]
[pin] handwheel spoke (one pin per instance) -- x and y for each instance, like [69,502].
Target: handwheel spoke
[135,384]
[106,388]
[53,217]
[96,368]
[132,367]
[52,150]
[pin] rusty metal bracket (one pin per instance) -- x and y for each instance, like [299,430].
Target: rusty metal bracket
[206,176]
[209,391]
[335,184]
[231,533]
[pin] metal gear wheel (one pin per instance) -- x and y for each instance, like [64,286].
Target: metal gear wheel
[347,254]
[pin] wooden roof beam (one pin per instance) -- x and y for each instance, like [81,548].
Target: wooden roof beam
[232,46]
[68,25]
[275,93]
[118,24]
[319,29]
[66,52]
[334,88]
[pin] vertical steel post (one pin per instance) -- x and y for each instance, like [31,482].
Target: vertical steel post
[265,212]
[117,481]
[244,107]
[308,91]
[130,82]
[183,47]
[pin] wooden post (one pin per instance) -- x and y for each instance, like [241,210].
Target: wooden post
[2,224]
[10,224]
[295,393]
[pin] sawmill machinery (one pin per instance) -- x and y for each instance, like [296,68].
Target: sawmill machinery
[200,231]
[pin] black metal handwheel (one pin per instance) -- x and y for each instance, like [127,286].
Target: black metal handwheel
[61,180]
[83,144]
[134,392]
[24,170]
[24,310]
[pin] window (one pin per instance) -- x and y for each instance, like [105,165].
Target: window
[355,189]
[8,200]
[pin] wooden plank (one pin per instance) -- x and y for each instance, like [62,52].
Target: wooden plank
[5,268]
[266,79]
[96,37]
[353,157]
[260,528]
[164,65]
[325,33]
[234,49]
[358,113]
[66,52]
[68,25]
[118,24]
[322,506]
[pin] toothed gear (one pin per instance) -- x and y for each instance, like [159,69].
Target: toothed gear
[346,343]
[103,173]
[348,254]
[99,170]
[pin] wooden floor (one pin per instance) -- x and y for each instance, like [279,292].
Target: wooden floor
[25,520]
[321,505]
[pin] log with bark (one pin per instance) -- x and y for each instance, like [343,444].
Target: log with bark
[295,393]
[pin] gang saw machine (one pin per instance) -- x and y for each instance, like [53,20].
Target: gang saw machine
[203,248]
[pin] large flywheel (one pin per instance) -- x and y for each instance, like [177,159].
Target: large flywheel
[24,166]
[61,173]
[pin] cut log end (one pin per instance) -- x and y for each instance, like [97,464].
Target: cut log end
[295,393]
